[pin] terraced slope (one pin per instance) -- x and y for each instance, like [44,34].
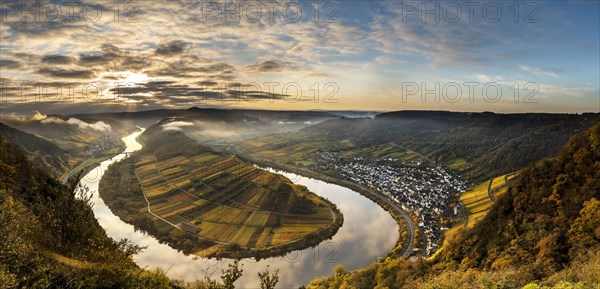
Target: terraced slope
[212,204]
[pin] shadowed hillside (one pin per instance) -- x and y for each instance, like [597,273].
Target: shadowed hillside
[41,152]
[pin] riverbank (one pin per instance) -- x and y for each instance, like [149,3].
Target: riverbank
[406,230]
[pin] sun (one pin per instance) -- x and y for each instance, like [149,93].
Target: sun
[132,77]
[121,86]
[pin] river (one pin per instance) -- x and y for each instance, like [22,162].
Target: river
[368,232]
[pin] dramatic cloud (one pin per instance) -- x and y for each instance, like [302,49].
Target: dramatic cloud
[366,48]
[174,93]
[67,73]
[10,64]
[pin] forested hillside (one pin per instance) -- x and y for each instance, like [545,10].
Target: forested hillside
[543,232]
[485,144]
[51,239]
[549,217]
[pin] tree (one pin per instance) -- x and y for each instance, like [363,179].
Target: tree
[268,280]
[231,275]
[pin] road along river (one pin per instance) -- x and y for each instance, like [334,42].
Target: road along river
[368,232]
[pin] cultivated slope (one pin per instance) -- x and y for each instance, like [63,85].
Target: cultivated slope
[212,204]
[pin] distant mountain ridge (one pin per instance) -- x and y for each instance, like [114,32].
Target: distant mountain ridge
[147,118]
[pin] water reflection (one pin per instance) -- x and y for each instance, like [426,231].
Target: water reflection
[368,233]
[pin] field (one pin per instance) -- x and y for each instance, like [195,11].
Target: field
[385,151]
[223,199]
[299,148]
[289,147]
[479,199]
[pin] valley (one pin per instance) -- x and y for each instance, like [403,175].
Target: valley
[222,198]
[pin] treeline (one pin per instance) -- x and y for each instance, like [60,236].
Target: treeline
[549,216]
[542,234]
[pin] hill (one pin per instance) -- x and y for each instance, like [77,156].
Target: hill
[211,204]
[477,145]
[63,146]
[50,237]
[542,232]
[41,152]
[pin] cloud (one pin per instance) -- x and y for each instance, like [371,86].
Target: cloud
[538,71]
[383,59]
[172,93]
[98,126]
[189,69]
[38,116]
[172,48]
[269,66]
[207,83]
[57,59]
[10,64]
[176,125]
[107,53]
[541,89]
[463,42]
[67,73]
[111,57]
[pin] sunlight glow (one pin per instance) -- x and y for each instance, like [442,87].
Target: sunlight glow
[133,77]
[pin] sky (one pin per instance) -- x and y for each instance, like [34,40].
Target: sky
[504,56]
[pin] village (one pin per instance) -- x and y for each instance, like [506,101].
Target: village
[424,189]
[103,145]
